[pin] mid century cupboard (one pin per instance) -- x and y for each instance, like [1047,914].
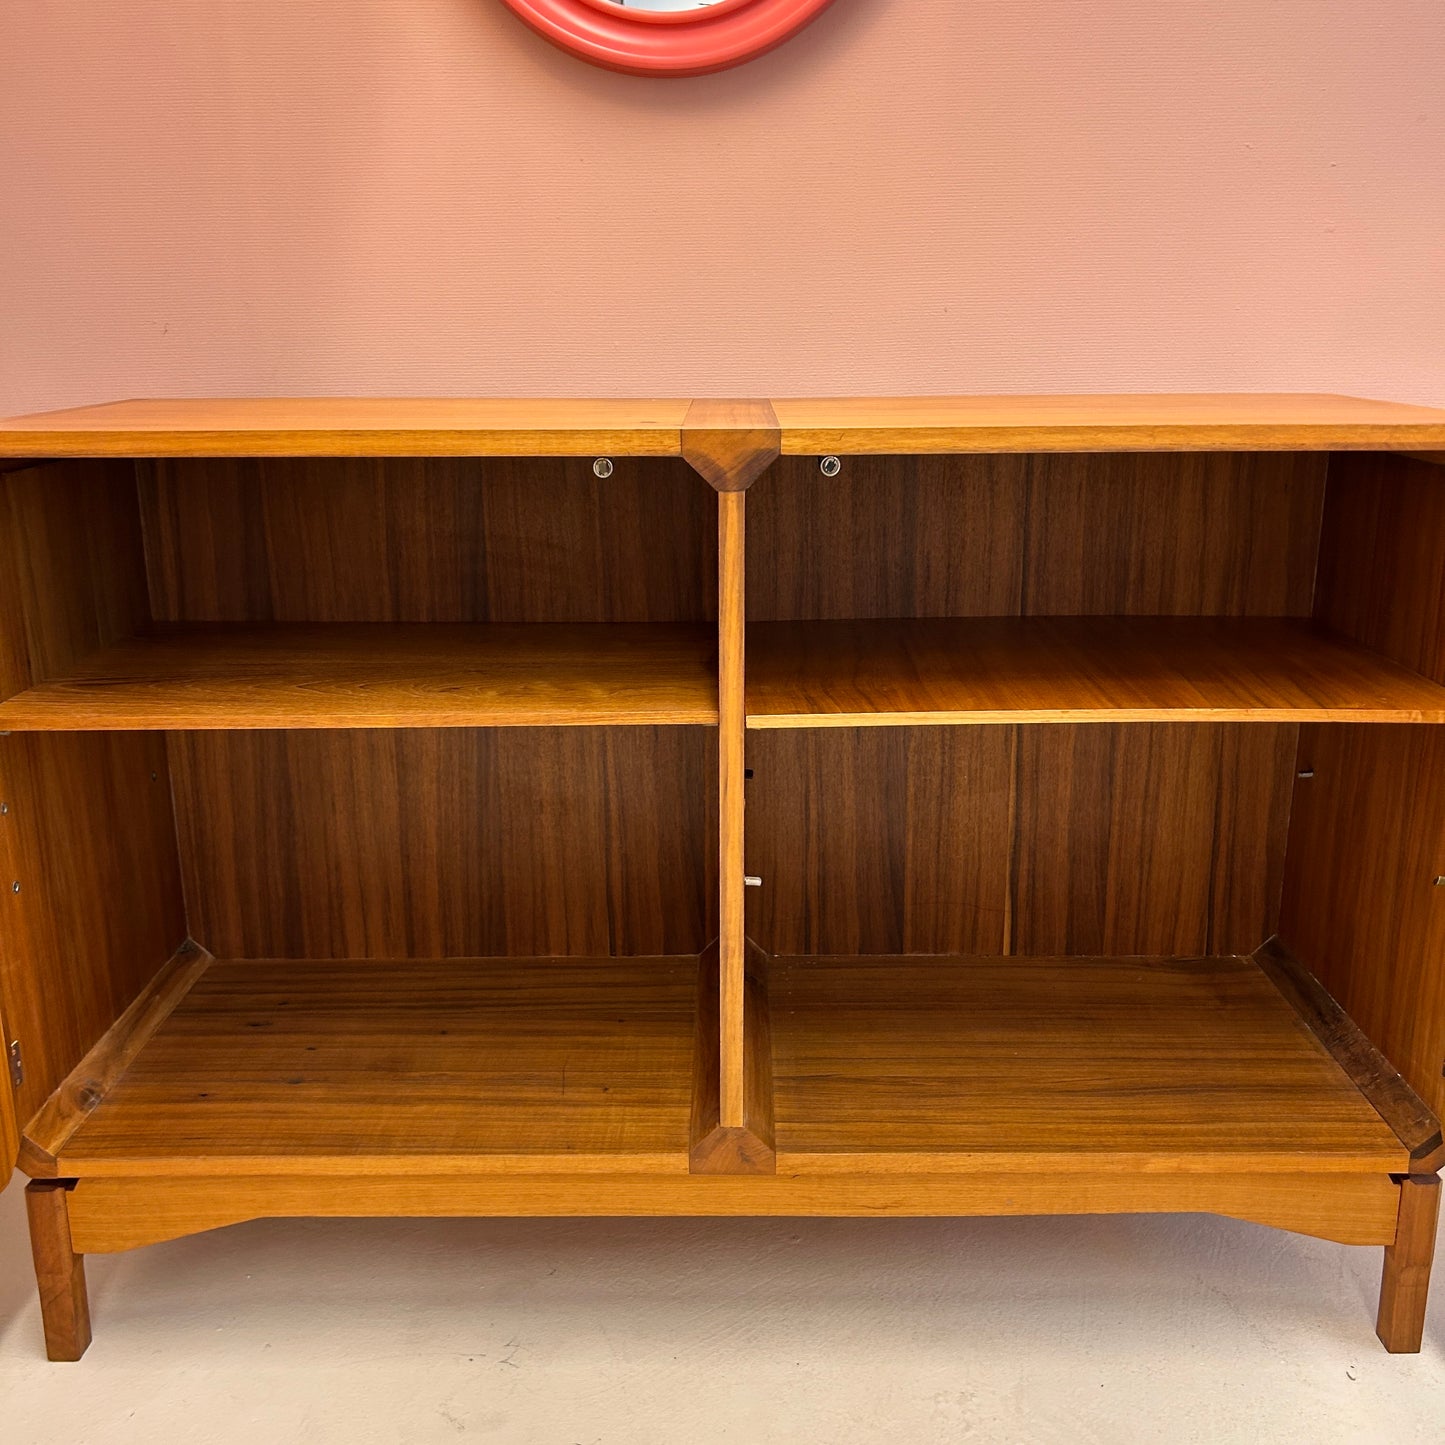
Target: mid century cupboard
[932,806]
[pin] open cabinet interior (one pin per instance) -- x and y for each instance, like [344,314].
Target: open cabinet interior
[1023,830]
[472,918]
[1043,750]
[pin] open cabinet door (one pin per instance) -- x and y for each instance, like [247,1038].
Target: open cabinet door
[9,1128]
[88,871]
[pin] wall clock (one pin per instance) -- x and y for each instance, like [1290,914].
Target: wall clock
[667,37]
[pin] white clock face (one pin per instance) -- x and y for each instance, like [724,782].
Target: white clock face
[666,4]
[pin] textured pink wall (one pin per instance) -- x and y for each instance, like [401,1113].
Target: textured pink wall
[410,196]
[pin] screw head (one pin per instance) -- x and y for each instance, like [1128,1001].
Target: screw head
[602,467]
[830,466]
[15,886]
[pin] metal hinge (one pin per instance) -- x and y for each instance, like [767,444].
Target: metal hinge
[17,1064]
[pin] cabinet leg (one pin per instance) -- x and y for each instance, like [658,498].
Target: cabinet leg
[1406,1284]
[60,1272]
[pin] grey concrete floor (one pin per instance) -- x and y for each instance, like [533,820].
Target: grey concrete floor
[1171,1329]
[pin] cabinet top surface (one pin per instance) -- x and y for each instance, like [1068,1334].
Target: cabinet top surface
[437,426]
[1217,421]
[350,426]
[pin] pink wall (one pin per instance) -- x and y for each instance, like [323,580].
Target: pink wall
[412,196]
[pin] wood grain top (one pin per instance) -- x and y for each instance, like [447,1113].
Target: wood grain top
[1042,1064]
[350,427]
[406,1065]
[1072,669]
[442,426]
[382,675]
[1207,422]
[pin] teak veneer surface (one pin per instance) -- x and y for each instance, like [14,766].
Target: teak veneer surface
[351,426]
[1073,839]
[732,747]
[1220,422]
[115,1213]
[1073,669]
[1187,534]
[428,539]
[1041,1064]
[1367,831]
[1360,904]
[891,1065]
[1415,1124]
[394,843]
[388,1066]
[92,889]
[420,426]
[339,675]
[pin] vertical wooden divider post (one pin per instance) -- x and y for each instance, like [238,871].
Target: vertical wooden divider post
[730,444]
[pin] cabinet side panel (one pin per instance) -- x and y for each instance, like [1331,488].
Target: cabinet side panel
[429,540]
[1382,557]
[88,871]
[1367,833]
[438,843]
[1361,908]
[74,569]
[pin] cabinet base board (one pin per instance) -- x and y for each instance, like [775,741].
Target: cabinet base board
[111,1214]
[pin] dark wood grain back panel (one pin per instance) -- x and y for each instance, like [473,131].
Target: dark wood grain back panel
[1229,534]
[449,843]
[889,537]
[1150,838]
[880,840]
[1062,839]
[566,841]
[1206,534]
[429,540]
[1093,839]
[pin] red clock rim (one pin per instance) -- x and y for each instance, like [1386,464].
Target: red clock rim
[668,17]
[687,42]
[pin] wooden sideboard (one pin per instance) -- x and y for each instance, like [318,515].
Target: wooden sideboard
[889,807]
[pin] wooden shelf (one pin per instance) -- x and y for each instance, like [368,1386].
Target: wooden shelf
[389,1066]
[1072,669]
[1217,422]
[1090,1064]
[376,675]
